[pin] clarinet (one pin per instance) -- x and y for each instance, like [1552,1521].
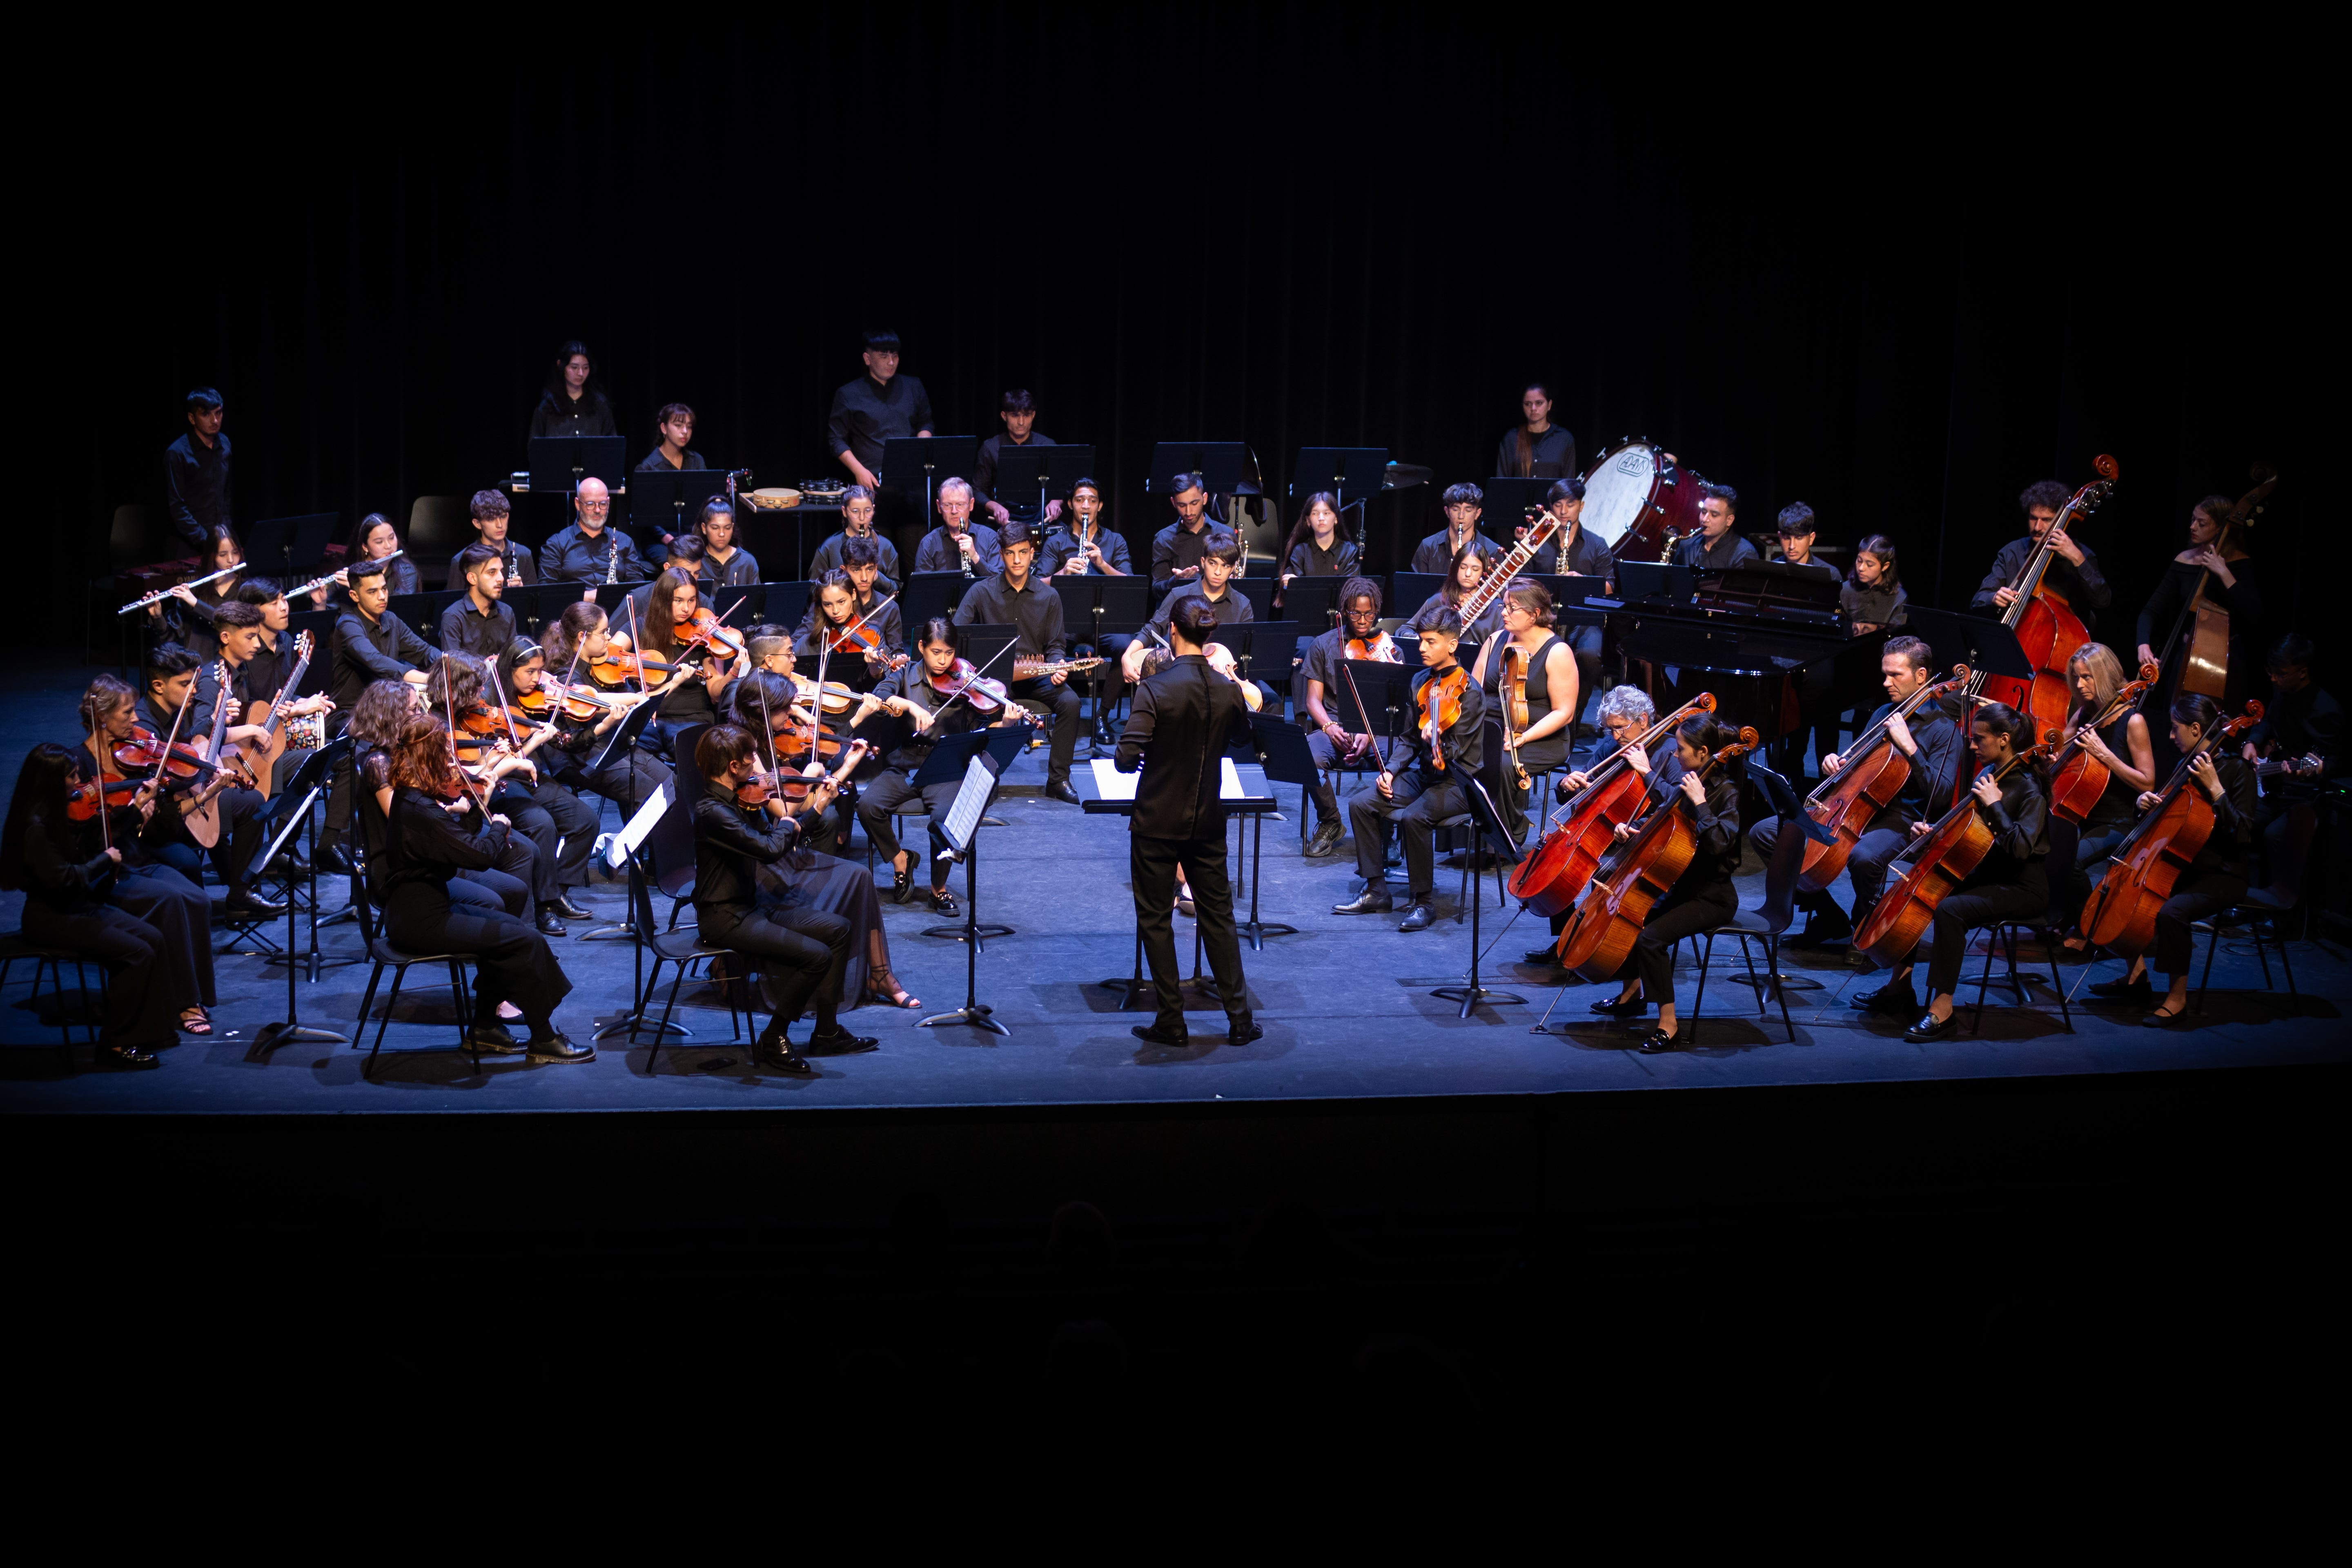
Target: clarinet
[612,559]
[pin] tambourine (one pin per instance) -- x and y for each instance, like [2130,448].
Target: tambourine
[774,498]
[822,489]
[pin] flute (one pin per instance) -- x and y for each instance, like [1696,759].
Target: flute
[160,594]
[316,583]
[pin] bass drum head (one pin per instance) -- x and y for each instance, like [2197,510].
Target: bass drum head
[1619,489]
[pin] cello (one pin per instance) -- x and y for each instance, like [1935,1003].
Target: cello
[2047,628]
[1562,862]
[1633,876]
[2077,779]
[2206,669]
[1941,860]
[2146,866]
[1875,774]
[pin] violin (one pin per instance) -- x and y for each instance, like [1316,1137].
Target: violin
[1440,704]
[2148,863]
[1943,859]
[961,680]
[795,789]
[705,630]
[182,763]
[2077,779]
[1563,864]
[1633,876]
[81,801]
[2047,628]
[617,665]
[1511,682]
[1379,648]
[1873,775]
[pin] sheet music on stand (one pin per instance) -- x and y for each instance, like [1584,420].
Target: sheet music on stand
[625,843]
[1112,785]
[971,800]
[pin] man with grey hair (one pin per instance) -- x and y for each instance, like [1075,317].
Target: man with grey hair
[1625,713]
[959,544]
[592,549]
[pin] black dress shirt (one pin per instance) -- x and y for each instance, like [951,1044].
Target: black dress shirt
[865,415]
[2305,722]
[363,651]
[1033,610]
[1308,559]
[1175,547]
[1808,568]
[1465,745]
[1553,456]
[571,556]
[521,567]
[1727,552]
[196,478]
[828,557]
[2084,586]
[1231,608]
[730,844]
[653,462]
[1062,543]
[1434,555]
[2242,599]
[740,569]
[1585,556]
[938,552]
[427,844]
[1940,756]
[958,718]
[1716,857]
[1176,732]
[1884,607]
[57,879]
[465,630]
[983,472]
[559,414]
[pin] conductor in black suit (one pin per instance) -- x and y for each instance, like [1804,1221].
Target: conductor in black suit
[1176,732]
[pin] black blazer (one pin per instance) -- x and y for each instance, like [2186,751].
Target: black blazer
[1176,732]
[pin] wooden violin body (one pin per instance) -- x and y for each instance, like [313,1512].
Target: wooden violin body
[2148,864]
[986,696]
[1564,861]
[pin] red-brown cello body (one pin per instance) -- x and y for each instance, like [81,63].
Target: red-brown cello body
[1562,865]
[2047,628]
[1631,880]
[2077,779]
[1946,857]
[2148,865]
[1873,776]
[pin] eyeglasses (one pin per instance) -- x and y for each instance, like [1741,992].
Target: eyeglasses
[857,513]
[596,506]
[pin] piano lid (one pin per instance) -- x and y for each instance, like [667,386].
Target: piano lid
[1405,476]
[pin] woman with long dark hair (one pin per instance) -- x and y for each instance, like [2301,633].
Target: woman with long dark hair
[1469,570]
[690,696]
[187,617]
[1873,598]
[373,539]
[1321,544]
[1536,449]
[67,905]
[424,848]
[575,403]
[574,641]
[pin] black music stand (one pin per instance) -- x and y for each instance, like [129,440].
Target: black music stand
[1357,471]
[911,463]
[1281,639]
[558,464]
[625,735]
[1408,591]
[1508,499]
[660,499]
[1658,582]
[1387,690]
[1049,471]
[743,604]
[981,768]
[322,763]
[930,594]
[785,603]
[1984,644]
[1258,591]
[312,534]
[1218,463]
[950,762]
[273,540]
[1282,753]
[1489,824]
[290,813]
[1101,605]
[1313,603]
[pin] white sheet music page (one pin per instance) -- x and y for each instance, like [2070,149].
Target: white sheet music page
[1111,784]
[617,850]
[970,801]
[1229,786]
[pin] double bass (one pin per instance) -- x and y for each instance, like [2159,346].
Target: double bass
[2146,866]
[2206,668]
[1944,858]
[1563,862]
[1633,876]
[2077,779]
[1875,774]
[2047,628]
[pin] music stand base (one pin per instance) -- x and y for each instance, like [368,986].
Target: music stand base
[1472,995]
[636,1024]
[609,934]
[958,934]
[273,1036]
[976,1016]
[1257,931]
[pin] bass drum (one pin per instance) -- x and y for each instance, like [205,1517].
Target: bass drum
[1635,496]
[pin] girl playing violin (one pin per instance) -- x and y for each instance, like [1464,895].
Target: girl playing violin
[1703,896]
[740,826]
[2215,880]
[2011,881]
[1424,783]
[1468,571]
[860,644]
[910,694]
[550,823]
[576,640]
[688,695]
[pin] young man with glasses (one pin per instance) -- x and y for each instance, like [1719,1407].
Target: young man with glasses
[857,522]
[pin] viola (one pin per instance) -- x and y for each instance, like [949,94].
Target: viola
[81,801]
[1511,684]
[2047,628]
[2148,865]
[618,664]
[986,696]
[182,763]
[1562,864]
[795,789]
[1872,775]
[483,720]
[1633,876]
[1440,705]
[2077,779]
[1941,860]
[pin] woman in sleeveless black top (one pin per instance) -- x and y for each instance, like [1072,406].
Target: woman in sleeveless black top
[1553,696]
[2130,758]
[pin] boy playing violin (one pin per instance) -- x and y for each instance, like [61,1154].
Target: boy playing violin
[1426,784]
[1324,699]
[910,694]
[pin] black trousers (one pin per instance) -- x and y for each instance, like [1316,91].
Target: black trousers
[1684,909]
[548,841]
[1151,865]
[231,854]
[339,803]
[1978,903]
[1327,760]
[2070,885]
[800,952]
[178,909]
[1063,702]
[2196,895]
[1415,807]
[1503,784]
[878,799]
[575,831]
[1865,864]
[514,962]
[493,890]
[626,781]
[137,1014]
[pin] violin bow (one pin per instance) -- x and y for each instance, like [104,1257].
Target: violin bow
[98,746]
[976,674]
[449,728]
[852,628]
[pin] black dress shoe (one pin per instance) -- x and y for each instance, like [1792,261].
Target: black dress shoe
[839,1042]
[492,1040]
[1927,1028]
[1894,999]
[2138,992]
[244,903]
[1241,1029]
[1542,957]
[1653,1042]
[1368,902]
[1613,1009]
[123,1059]
[1060,790]
[902,883]
[1155,1035]
[1326,838]
[1417,918]
[554,1048]
[549,925]
[943,903]
[776,1054]
[563,906]
[334,861]
[290,865]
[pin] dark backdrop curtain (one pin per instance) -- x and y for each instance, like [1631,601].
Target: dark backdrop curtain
[1897,300]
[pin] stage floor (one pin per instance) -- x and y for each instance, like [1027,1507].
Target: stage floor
[1346,1005]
